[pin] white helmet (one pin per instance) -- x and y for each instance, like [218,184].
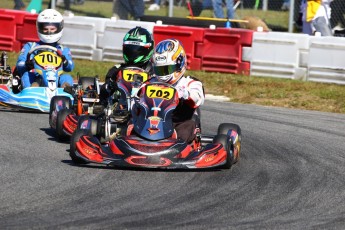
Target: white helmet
[53,18]
[169,61]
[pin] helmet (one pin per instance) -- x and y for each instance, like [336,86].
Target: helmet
[137,46]
[169,61]
[53,19]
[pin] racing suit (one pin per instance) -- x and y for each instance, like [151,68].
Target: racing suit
[27,77]
[110,86]
[191,94]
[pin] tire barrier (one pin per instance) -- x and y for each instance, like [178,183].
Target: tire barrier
[221,50]
[25,31]
[9,20]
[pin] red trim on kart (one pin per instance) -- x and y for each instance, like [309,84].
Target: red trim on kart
[115,149]
[89,149]
[211,159]
[5,87]
[70,124]
[148,161]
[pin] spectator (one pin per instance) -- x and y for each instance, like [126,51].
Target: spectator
[19,5]
[155,6]
[124,8]
[318,13]
[286,5]
[338,11]
[218,8]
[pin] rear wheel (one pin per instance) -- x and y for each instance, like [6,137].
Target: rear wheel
[57,103]
[74,139]
[60,118]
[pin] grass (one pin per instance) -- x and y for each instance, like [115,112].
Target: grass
[239,88]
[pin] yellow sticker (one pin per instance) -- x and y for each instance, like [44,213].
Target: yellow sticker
[130,75]
[48,59]
[154,91]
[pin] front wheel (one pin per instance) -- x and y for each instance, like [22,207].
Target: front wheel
[57,103]
[60,118]
[224,140]
[233,135]
[74,139]
[88,123]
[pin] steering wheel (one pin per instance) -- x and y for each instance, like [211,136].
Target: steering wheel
[43,47]
[52,48]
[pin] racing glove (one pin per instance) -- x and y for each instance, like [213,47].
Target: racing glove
[29,64]
[64,60]
[111,86]
[112,73]
[182,92]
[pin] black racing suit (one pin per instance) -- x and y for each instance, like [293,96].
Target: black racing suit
[110,85]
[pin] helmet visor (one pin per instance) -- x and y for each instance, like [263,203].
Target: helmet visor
[136,51]
[48,28]
[164,70]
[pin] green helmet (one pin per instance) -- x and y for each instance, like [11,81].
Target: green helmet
[138,46]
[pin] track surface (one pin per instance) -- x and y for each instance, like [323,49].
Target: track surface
[291,175]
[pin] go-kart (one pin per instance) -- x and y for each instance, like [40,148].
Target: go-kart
[64,115]
[65,118]
[151,141]
[48,68]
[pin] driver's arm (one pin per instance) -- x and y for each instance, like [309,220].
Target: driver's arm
[20,65]
[69,66]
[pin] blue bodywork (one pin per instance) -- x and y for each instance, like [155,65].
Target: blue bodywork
[31,98]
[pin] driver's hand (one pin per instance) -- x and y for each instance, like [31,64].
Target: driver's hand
[64,61]
[29,64]
[182,92]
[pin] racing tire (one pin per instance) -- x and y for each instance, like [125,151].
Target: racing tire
[93,128]
[85,82]
[74,139]
[224,140]
[66,103]
[223,129]
[60,118]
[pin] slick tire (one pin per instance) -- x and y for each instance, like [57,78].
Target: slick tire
[60,118]
[224,128]
[54,103]
[92,127]
[74,139]
[224,140]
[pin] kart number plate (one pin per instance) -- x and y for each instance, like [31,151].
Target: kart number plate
[48,59]
[132,75]
[159,92]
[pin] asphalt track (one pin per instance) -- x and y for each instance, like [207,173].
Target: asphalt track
[291,175]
